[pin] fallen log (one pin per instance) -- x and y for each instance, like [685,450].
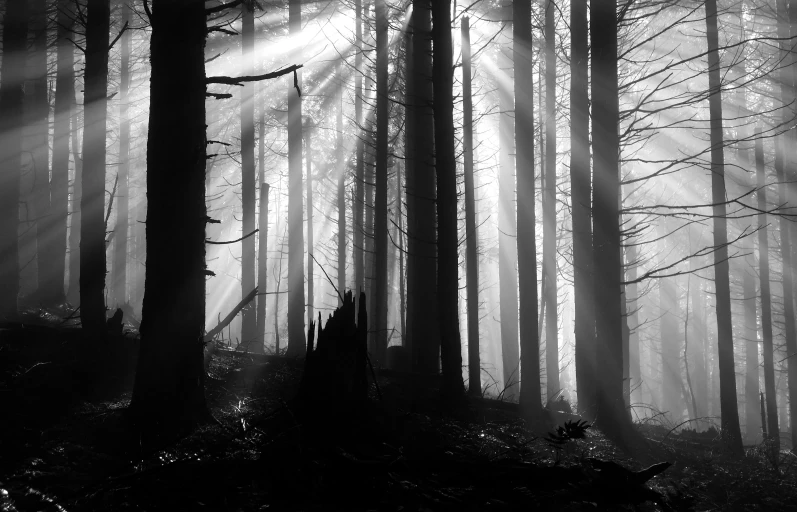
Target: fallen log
[229,318]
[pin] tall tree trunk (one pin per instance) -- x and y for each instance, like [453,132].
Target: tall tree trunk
[471,237]
[249,176]
[64,96]
[507,244]
[262,268]
[766,306]
[359,178]
[308,134]
[379,314]
[549,208]
[12,74]
[581,191]
[75,214]
[606,216]
[632,310]
[452,387]
[168,395]
[423,321]
[92,201]
[37,109]
[729,410]
[341,168]
[530,388]
[671,383]
[296,303]
[697,340]
[119,278]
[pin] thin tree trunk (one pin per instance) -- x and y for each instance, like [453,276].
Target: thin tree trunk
[119,278]
[12,73]
[64,96]
[549,208]
[729,410]
[248,176]
[169,396]
[341,167]
[632,310]
[581,191]
[452,387]
[310,243]
[359,194]
[296,303]
[92,203]
[766,306]
[471,237]
[262,268]
[75,214]
[671,382]
[379,314]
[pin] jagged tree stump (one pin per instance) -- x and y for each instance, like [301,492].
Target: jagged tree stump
[335,368]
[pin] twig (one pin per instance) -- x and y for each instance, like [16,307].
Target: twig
[232,241]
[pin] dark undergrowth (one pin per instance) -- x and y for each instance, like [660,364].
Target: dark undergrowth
[66,445]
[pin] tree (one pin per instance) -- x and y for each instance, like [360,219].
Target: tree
[359,194]
[451,387]
[92,201]
[12,74]
[341,166]
[379,314]
[249,176]
[296,340]
[64,97]
[549,208]
[766,303]
[729,410]
[119,278]
[530,389]
[422,318]
[606,220]
[262,268]
[472,242]
[169,394]
[581,191]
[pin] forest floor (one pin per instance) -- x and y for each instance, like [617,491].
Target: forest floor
[65,445]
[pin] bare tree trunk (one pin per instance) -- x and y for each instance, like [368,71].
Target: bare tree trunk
[75,214]
[169,396]
[549,208]
[64,96]
[12,73]
[422,318]
[766,306]
[248,176]
[471,237]
[341,167]
[92,203]
[671,382]
[359,194]
[452,387]
[632,310]
[729,410]
[379,314]
[296,303]
[262,268]
[581,191]
[308,137]
[119,278]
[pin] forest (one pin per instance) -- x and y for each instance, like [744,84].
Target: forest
[398,255]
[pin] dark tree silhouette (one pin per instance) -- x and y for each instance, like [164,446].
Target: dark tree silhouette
[452,387]
[92,201]
[12,76]
[169,388]
[359,177]
[379,313]
[530,387]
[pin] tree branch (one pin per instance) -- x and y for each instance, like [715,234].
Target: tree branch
[232,241]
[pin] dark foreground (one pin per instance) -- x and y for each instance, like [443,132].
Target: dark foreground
[66,445]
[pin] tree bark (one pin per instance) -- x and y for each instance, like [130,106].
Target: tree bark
[359,185]
[530,388]
[92,201]
[669,312]
[452,387]
[12,73]
[422,318]
[379,313]
[341,166]
[73,295]
[471,237]
[632,310]
[581,192]
[729,409]
[119,278]
[248,176]
[296,303]
[766,301]
[308,134]
[168,395]
[262,267]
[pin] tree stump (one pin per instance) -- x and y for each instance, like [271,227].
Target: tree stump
[335,374]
